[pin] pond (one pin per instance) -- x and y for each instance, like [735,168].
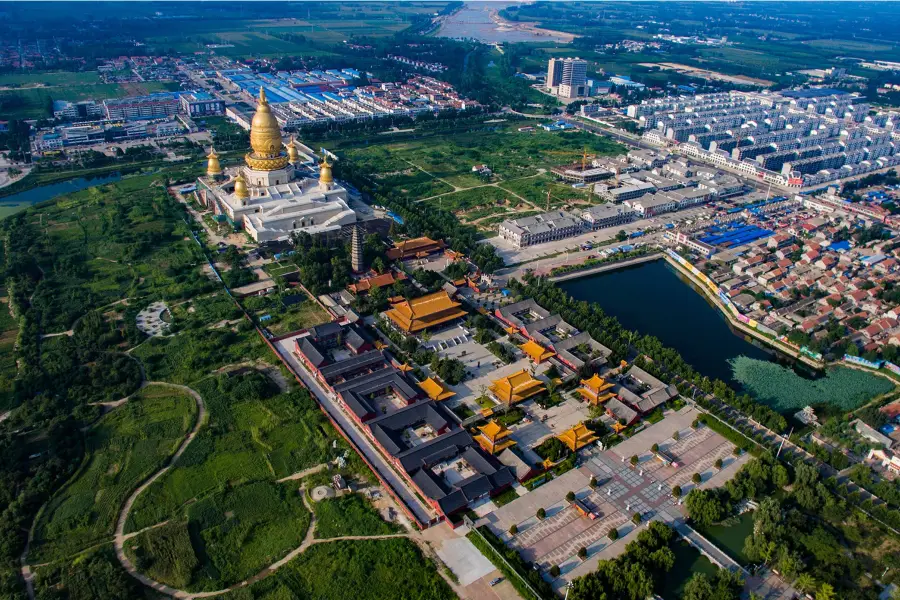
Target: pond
[653,298]
[688,561]
[730,536]
[16,202]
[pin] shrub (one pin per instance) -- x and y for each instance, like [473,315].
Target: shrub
[718,464]
[593,482]
[541,513]
[676,436]
[676,491]
[613,534]
[696,478]
[636,518]
[570,497]
[513,529]
[655,447]
[635,460]
[554,571]
[582,553]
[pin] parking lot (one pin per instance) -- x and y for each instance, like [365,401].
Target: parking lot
[622,490]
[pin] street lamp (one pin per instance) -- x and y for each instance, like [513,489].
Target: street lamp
[569,586]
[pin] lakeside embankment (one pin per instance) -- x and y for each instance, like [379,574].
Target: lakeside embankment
[610,266]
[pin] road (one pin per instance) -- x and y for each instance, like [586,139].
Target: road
[387,473]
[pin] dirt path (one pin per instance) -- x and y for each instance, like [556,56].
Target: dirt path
[120,537]
[303,473]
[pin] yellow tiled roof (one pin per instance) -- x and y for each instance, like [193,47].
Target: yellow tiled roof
[577,437]
[537,352]
[420,313]
[436,390]
[596,383]
[494,430]
[516,387]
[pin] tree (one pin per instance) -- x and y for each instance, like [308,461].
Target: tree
[513,529]
[826,592]
[635,460]
[593,482]
[570,496]
[718,464]
[696,478]
[676,491]
[613,534]
[805,583]
[554,571]
[378,264]
[706,507]
[621,236]
[636,518]
[654,448]
[541,513]
[676,436]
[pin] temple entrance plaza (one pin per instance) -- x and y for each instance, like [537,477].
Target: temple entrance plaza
[622,490]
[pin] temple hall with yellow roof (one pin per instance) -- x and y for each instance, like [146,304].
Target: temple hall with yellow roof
[276,192]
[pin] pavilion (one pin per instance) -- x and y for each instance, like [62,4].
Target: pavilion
[517,387]
[596,390]
[494,437]
[577,437]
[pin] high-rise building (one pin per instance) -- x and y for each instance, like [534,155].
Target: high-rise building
[567,77]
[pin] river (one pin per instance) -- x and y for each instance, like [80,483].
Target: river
[474,21]
[16,202]
[653,298]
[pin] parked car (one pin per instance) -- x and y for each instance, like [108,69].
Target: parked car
[495,581]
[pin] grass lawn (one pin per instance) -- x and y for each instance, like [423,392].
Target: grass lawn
[128,445]
[350,514]
[362,570]
[420,168]
[506,497]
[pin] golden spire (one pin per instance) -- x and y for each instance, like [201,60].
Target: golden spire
[325,176]
[240,187]
[293,153]
[265,139]
[213,168]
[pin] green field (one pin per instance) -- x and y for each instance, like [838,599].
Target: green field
[434,165]
[255,433]
[104,243]
[227,536]
[350,514]
[126,447]
[362,570]
[49,79]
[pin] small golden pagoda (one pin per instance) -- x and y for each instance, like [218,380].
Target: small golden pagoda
[240,187]
[213,168]
[326,179]
[292,152]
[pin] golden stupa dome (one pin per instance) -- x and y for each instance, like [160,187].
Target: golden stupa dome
[240,187]
[293,153]
[325,175]
[213,168]
[265,136]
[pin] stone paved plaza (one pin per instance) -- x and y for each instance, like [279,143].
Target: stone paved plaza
[622,490]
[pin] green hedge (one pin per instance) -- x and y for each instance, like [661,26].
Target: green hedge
[738,439]
[521,569]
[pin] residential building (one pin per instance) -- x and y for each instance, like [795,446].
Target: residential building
[201,104]
[601,216]
[546,227]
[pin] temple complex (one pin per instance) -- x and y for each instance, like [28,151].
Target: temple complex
[274,193]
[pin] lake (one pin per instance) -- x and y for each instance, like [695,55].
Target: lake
[16,202]
[653,298]
[474,21]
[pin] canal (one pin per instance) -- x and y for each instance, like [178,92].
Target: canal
[16,202]
[653,298]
